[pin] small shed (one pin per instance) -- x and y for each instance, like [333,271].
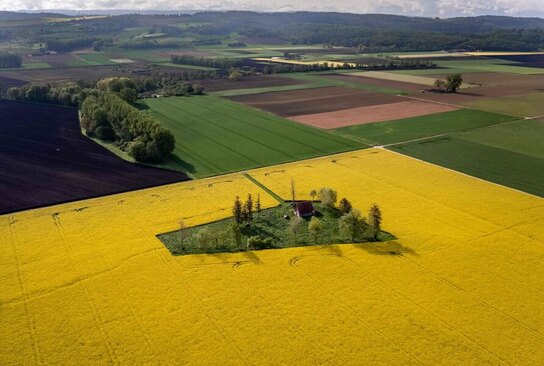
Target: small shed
[304,209]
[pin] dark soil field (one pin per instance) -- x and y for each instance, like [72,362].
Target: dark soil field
[317,100]
[10,82]
[260,81]
[46,160]
[88,73]
[525,60]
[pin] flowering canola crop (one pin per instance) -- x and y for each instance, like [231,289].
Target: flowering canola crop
[89,283]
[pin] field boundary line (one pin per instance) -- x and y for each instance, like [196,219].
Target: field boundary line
[264,188]
[457,132]
[458,172]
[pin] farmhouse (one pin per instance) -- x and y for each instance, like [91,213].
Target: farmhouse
[304,209]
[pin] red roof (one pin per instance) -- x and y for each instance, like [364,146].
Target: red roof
[304,208]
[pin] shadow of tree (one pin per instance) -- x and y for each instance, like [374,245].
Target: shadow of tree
[252,257]
[393,247]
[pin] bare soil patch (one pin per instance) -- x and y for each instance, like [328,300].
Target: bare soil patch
[46,160]
[317,100]
[10,82]
[371,114]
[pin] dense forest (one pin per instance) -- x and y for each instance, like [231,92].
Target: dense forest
[368,32]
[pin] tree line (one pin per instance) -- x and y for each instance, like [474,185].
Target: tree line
[387,64]
[107,113]
[9,60]
[67,45]
[108,117]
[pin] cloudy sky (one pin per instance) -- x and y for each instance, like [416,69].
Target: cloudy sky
[443,8]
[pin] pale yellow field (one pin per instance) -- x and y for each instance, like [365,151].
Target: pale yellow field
[88,282]
[70,19]
[301,62]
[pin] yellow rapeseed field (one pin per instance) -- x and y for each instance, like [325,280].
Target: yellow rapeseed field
[88,282]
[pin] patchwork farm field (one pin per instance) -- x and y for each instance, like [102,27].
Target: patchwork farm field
[248,82]
[350,78]
[215,136]
[372,114]
[510,154]
[95,273]
[46,160]
[396,131]
[316,100]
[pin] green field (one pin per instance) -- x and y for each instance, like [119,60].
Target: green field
[525,137]
[510,154]
[467,65]
[193,67]
[90,59]
[424,126]
[29,65]
[310,80]
[528,105]
[215,136]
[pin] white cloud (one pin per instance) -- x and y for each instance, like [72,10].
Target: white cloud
[443,8]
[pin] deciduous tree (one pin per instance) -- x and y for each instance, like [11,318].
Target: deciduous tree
[351,225]
[295,227]
[328,197]
[315,227]
[453,82]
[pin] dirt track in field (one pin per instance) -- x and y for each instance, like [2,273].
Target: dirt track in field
[318,100]
[45,160]
[371,114]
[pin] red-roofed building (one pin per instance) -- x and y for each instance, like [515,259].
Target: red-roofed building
[304,209]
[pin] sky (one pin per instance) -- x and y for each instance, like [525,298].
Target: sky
[432,8]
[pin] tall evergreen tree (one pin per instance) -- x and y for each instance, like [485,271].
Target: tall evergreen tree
[248,209]
[258,205]
[237,211]
[375,217]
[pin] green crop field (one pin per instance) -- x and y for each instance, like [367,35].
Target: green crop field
[510,154]
[528,105]
[525,137]
[467,65]
[215,136]
[424,126]
[311,80]
[29,65]
[90,59]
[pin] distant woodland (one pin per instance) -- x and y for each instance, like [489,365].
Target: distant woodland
[366,33]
